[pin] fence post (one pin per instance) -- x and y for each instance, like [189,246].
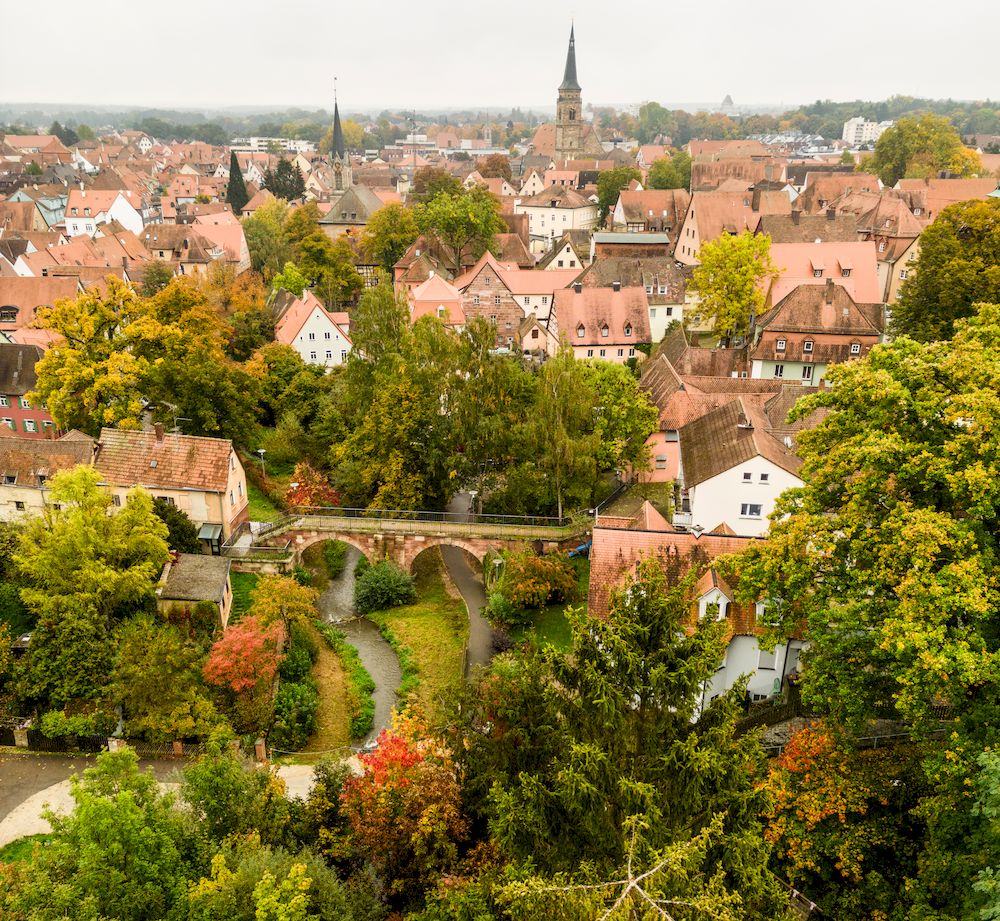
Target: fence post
[178,749]
[260,751]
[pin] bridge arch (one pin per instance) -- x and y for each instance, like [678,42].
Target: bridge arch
[361,542]
[478,549]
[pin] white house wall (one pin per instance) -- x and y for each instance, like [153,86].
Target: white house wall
[318,337]
[719,499]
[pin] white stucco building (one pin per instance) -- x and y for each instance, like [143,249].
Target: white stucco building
[319,336]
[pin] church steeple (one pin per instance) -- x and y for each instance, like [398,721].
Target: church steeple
[338,149]
[569,75]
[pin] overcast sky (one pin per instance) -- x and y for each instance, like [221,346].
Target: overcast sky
[443,53]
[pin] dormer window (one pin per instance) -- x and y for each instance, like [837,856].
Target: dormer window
[807,346]
[855,348]
[845,273]
[604,332]
[580,331]
[881,247]
[780,345]
[628,329]
[817,273]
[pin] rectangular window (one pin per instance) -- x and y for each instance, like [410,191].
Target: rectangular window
[621,353]
[545,301]
[652,313]
[497,300]
[19,506]
[475,299]
[30,425]
[750,510]
[9,479]
[764,477]
[116,500]
[329,353]
[590,353]
[8,422]
[312,356]
[855,348]
[902,274]
[527,302]
[312,336]
[747,477]
[807,372]
[232,498]
[343,354]
[807,346]
[661,461]
[779,370]
[649,289]
[25,404]
[4,401]
[631,353]
[326,335]
[602,353]
[780,345]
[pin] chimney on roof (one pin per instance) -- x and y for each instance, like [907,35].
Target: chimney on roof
[795,217]
[158,432]
[578,287]
[616,286]
[830,214]
[742,422]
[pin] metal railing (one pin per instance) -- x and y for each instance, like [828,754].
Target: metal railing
[401,521]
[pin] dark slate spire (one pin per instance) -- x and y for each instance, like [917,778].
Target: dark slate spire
[338,150]
[569,77]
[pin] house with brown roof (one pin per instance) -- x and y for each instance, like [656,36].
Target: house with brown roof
[190,579]
[203,477]
[829,227]
[711,214]
[21,216]
[620,545]
[888,222]
[505,294]
[27,465]
[651,211]
[732,470]
[666,285]
[350,212]
[930,196]
[822,189]
[602,323]
[437,297]
[86,210]
[854,266]
[811,328]
[552,212]
[571,251]
[17,380]
[20,297]
[321,337]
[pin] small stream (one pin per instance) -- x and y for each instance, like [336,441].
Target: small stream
[336,606]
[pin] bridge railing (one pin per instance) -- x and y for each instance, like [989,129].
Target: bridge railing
[381,514]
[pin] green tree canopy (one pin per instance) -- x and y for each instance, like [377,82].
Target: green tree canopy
[610,182]
[673,172]
[921,147]
[236,189]
[467,222]
[729,281]
[285,181]
[388,234]
[182,534]
[958,267]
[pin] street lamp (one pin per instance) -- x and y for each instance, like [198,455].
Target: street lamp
[472,503]
[262,452]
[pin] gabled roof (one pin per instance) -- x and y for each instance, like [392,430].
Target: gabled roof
[798,264]
[134,458]
[556,196]
[33,460]
[17,368]
[518,281]
[293,312]
[656,205]
[655,271]
[727,437]
[435,293]
[28,293]
[716,213]
[594,309]
[355,206]
[808,228]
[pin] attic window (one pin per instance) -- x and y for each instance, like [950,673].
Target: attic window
[628,329]
[604,331]
[881,247]
[9,479]
[580,331]
[152,464]
[780,345]
[807,346]
[855,348]
[8,314]
[845,273]
[817,273]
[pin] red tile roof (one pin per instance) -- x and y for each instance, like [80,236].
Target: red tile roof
[134,458]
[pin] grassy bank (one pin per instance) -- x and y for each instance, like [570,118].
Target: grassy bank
[429,636]
[243,585]
[549,625]
[355,698]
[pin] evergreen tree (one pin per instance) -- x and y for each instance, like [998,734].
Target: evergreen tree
[285,181]
[236,191]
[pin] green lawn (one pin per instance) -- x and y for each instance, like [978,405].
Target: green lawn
[433,632]
[261,508]
[243,584]
[22,849]
[549,625]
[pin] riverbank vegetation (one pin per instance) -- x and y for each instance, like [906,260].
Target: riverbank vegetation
[430,635]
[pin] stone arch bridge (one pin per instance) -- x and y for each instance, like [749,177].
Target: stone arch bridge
[400,536]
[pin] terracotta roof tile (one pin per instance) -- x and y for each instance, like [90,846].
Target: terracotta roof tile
[134,458]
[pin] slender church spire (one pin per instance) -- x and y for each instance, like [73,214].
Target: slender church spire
[569,75]
[338,149]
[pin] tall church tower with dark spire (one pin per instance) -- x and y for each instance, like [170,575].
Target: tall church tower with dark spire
[569,109]
[338,153]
